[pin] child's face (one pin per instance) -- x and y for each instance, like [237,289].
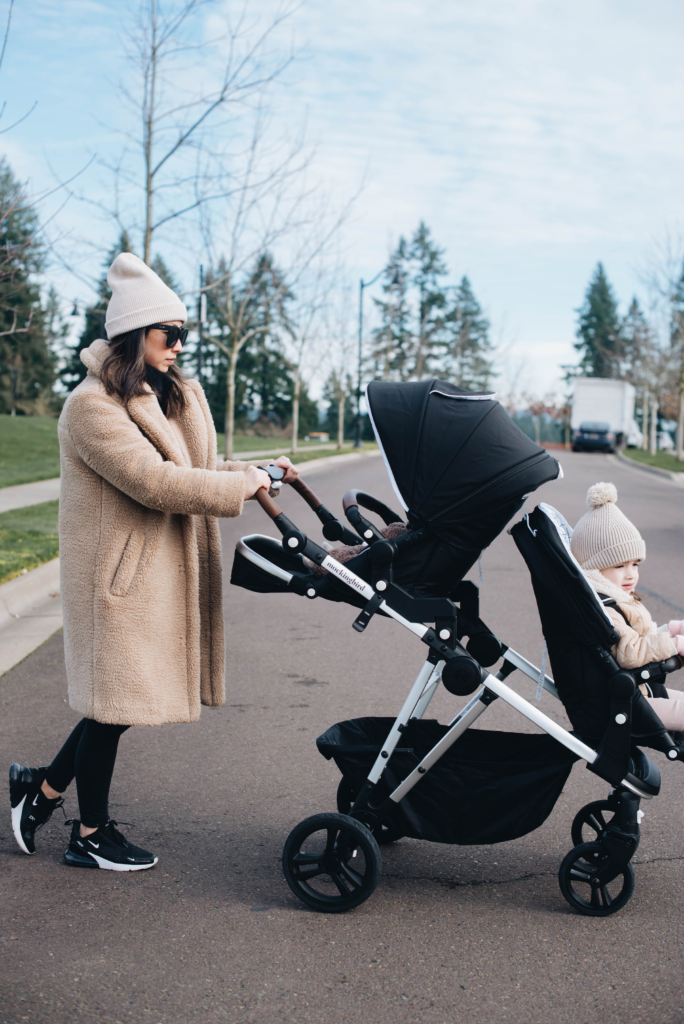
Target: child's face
[625,575]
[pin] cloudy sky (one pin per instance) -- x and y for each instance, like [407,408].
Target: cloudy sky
[534,137]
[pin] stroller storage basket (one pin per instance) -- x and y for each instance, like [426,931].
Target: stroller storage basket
[490,787]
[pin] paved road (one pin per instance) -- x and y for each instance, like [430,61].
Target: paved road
[468,935]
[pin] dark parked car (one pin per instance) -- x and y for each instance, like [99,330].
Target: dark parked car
[593,437]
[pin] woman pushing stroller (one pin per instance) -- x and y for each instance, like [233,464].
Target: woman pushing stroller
[609,548]
[140,559]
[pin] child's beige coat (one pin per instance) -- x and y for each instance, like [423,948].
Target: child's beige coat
[640,642]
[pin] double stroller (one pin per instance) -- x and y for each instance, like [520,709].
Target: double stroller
[461,469]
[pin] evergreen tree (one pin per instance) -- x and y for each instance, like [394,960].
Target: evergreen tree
[635,333]
[264,377]
[162,271]
[94,326]
[408,342]
[393,340]
[429,268]
[600,342]
[467,359]
[27,370]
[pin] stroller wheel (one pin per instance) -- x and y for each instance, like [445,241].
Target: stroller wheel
[591,821]
[576,878]
[331,862]
[347,793]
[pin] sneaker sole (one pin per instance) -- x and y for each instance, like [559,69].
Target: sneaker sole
[76,860]
[16,827]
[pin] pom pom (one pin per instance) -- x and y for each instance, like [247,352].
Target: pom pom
[601,494]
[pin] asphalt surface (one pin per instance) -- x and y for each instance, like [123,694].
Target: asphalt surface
[474,935]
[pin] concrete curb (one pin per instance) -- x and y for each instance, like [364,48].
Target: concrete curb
[30,611]
[17,596]
[675,478]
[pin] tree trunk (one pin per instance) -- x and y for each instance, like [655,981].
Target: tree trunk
[680,425]
[567,432]
[230,402]
[537,429]
[644,420]
[341,402]
[149,125]
[295,412]
[654,425]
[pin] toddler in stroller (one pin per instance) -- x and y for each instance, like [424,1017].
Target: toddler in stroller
[610,548]
[461,469]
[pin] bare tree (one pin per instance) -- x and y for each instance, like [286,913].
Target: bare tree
[663,362]
[267,214]
[189,98]
[341,353]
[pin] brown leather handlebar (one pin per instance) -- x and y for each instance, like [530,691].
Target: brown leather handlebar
[267,503]
[350,499]
[306,493]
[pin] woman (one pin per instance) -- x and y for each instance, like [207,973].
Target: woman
[140,559]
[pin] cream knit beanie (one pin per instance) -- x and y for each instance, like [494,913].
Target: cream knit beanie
[139,297]
[604,536]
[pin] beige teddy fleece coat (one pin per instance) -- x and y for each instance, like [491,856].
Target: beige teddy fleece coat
[140,553]
[641,642]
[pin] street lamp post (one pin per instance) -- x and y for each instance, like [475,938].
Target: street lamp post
[362,284]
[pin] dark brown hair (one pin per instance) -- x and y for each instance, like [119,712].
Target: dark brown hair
[125,373]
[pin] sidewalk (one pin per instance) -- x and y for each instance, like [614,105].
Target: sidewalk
[31,606]
[30,612]
[28,494]
[48,490]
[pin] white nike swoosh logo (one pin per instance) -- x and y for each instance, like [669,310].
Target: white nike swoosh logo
[96,845]
[35,802]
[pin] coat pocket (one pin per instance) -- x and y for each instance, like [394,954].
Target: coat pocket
[128,566]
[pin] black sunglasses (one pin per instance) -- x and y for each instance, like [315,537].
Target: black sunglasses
[173,334]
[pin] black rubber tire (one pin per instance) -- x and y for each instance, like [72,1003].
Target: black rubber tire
[592,817]
[340,885]
[575,875]
[346,795]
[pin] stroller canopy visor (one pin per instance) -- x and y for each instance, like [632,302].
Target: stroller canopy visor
[452,453]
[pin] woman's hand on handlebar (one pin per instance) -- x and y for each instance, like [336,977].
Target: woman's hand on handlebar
[291,472]
[254,479]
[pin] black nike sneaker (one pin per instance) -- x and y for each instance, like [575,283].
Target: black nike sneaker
[106,848]
[31,809]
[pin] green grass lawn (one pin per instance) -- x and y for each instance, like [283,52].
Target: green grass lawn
[663,460]
[29,449]
[305,452]
[28,537]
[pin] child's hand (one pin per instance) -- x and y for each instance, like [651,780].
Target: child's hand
[676,627]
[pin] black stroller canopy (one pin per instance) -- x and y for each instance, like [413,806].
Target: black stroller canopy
[452,453]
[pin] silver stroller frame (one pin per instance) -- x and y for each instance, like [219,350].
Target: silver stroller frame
[350,856]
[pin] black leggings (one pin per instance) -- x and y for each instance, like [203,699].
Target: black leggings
[88,756]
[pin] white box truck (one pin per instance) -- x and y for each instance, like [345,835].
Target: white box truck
[601,401]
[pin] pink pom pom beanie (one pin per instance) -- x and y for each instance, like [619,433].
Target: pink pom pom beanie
[604,536]
[139,297]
